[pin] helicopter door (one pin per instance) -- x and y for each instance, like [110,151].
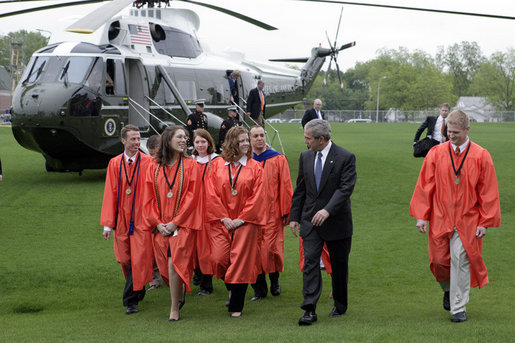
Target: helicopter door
[138,91]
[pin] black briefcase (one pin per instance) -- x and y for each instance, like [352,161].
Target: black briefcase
[422,147]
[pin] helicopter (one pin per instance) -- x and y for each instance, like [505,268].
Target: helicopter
[146,69]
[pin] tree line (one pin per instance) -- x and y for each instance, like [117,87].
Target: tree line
[407,80]
[418,81]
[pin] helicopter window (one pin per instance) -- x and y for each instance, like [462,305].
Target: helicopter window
[178,44]
[164,94]
[51,69]
[37,69]
[94,79]
[115,79]
[75,69]
[187,89]
[119,79]
[84,103]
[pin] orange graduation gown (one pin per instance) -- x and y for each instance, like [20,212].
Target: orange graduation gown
[235,253]
[278,195]
[473,202]
[135,249]
[181,209]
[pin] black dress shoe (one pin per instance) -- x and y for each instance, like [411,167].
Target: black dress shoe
[308,318]
[446,301]
[132,309]
[171,320]
[256,298]
[275,288]
[459,317]
[336,313]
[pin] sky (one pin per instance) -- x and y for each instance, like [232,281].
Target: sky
[302,25]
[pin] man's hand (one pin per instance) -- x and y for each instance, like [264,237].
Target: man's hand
[320,217]
[295,228]
[480,232]
[248,114]
[422,225]
[286,218]
[106,234]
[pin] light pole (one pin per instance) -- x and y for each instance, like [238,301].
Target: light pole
[378,88]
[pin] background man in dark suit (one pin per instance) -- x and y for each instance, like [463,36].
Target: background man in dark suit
[436,127]
[314,113]
[321,210]
[256,104]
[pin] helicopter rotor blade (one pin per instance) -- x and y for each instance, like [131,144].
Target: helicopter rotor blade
[339,74]
[296,60]
[494,16]
[234,14]
[338,28]
[47,7]
[324,83]
[329,41]
[98,17]
[346,46]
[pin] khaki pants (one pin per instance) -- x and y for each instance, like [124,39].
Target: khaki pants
[459,284]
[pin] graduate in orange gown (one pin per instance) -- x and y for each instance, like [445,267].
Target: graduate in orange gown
[207,160]
[236,207]
[278,192]
[171,192]
[122,211]
[457,193]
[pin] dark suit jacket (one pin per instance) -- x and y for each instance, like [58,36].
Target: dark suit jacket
[254,103]
[310,115]
[429,123]
[336,186]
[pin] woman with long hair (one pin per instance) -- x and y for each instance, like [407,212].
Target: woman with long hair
[207,160]
[171,202]
[236,211]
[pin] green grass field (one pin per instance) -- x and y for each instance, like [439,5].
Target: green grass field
[61,282]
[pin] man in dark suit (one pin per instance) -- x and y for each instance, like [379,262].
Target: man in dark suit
[314,113]
[256,104]
[436,126]
[321,211]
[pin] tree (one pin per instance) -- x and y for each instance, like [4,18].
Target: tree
[29,43]
[462,61]
[495,79]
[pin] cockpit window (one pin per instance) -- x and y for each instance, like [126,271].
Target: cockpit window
[94,79]
[36,69]
[57,68]
[75,69]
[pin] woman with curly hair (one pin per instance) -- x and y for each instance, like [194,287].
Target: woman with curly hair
[236,212]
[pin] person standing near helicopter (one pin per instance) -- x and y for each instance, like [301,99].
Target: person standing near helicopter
[229,122]
[123,215]
[196,120]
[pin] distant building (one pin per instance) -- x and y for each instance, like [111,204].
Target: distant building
[5,89]
[475,107]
